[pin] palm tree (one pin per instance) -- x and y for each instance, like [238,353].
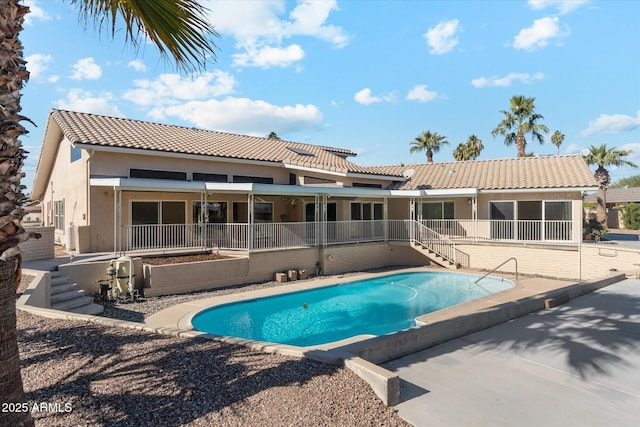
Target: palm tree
[474,146]
[469,150]
[522,119]
[178,28]
[430,142]
[603,157]
[461,152]
[557,139]
[273,135]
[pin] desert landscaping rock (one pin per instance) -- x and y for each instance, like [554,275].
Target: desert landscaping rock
[99,375]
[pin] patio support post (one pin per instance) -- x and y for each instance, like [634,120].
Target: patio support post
[324,220]
[316,221]
[474,217]
[412,218]
[204,211]
[250,222]
[115,221]
[385,217]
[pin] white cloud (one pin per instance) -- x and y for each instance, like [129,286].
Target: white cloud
[86,69]
[35,13]
[495,81]
[308,18]
[267,57]
[37,64]
[169,89]
[243,115]
[612,123]
[442,38]
[421,93]
[86,102]
[539,34]
[573,148]
[259,28]
[563,6]
[137,65]
[365,97]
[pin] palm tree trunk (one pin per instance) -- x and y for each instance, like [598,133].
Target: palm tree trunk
[11,390]
[429,156]
[14,75]
[521,142]
[601,211]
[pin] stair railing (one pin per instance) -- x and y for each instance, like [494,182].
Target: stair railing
[501,264]
[435,242]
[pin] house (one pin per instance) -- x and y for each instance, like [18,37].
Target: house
[616,200]
[127,186]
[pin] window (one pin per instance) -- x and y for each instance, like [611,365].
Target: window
[558,225]
[365,185]
[215,212]
[262,212]
[155,174]
[253,179]
[366,211]
[557,211]
[531,220]
[437,210]
[209,177]
[162,212]
[58,214]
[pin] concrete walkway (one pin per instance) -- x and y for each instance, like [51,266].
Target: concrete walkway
[575,365]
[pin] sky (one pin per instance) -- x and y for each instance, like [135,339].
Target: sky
[369,76]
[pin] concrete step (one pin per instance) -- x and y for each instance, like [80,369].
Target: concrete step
[62,287]
[92,309]
[70,304]
[56,273]
[58,280]
[66,296]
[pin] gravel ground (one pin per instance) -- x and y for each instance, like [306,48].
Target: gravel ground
[90,374]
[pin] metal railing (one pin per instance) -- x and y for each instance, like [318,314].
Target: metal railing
[501,264]
[548,231]
[263,236]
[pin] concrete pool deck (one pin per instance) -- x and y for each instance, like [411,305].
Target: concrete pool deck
[574,365]
[365,354]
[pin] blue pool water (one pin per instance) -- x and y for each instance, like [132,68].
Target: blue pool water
[374,306]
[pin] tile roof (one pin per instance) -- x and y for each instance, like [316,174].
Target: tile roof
[618,195]
[543,172]
[105,131]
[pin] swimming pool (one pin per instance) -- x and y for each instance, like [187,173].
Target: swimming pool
[375,306]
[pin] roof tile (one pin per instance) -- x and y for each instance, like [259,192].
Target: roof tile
[105,131]
[499,174]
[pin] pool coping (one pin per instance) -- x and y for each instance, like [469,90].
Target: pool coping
[363,353]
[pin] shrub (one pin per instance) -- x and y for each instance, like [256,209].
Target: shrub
[594,230]
[631,216]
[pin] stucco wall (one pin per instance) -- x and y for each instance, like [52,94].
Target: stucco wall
[590,262]
[68,182]
[262,266]
[42,248]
